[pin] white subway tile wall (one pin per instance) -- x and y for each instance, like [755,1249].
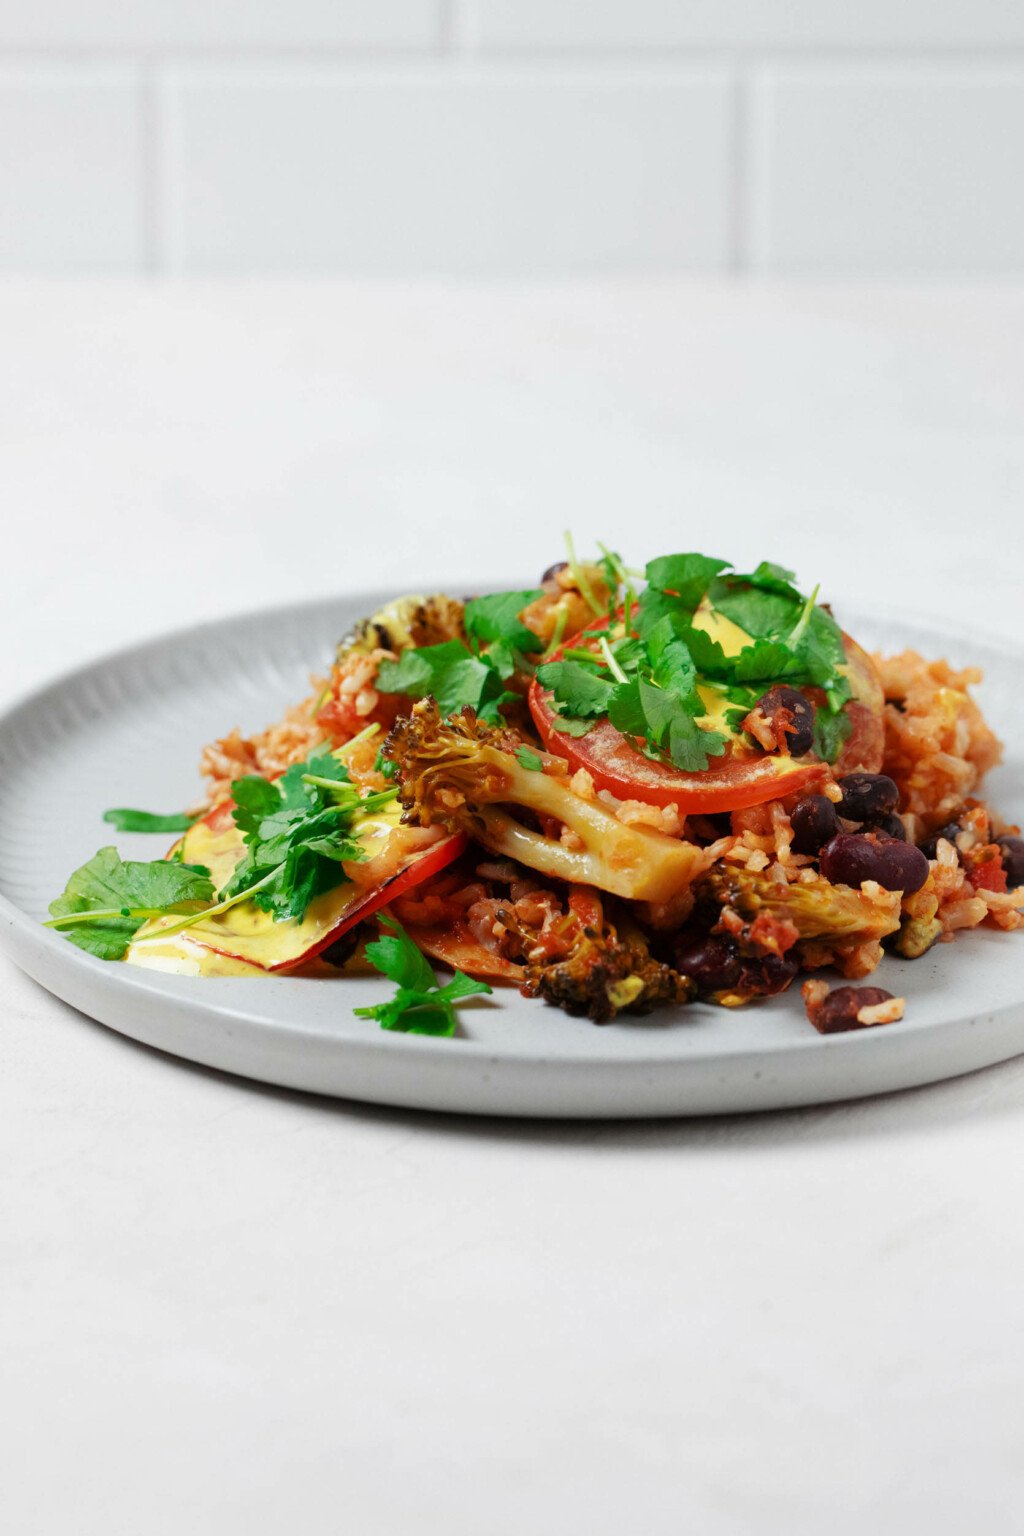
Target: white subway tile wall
[865,170]
[512,137]
[324,169]
[71,174]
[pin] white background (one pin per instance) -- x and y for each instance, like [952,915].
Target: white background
[226,1309]
[551,137]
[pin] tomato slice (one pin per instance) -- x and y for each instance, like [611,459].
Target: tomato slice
[729,783]
[253,937]
[457,948]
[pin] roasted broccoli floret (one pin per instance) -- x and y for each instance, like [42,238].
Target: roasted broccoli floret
[604,977]
[817,909]
[407,621]
[591,967]
[463,775]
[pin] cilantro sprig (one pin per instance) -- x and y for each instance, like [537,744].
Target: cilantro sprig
[470,673]
[419,1006]
[124,819]
[108,899]
[299,830]
[650,680]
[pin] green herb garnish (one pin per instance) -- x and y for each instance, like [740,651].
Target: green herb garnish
[107,900]
[298,830]
[453,675]
[530,760]
[648,679]
[125,820]
[419,1006]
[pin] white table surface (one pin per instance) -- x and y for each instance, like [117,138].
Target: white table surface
[229,1309]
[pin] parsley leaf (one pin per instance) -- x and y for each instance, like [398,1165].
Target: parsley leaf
[762,614]
[108,899]
[496,618]
[125,820]
[452,675]
[419,1006]
[656,715]
[579,691]
[298,830]
[831,732]
[685,576]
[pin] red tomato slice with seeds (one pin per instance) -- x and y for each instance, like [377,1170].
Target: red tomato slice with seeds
[256,939]
[729,783]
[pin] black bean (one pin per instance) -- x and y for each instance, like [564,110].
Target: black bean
[950,832]
[814,822]
[839,1010]
[712,960]
[553,570]
[852,857]
[892,826]
[791,715]
[867,796]
[1012,850]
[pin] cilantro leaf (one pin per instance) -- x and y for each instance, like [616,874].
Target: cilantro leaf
[254,798]
[419,1006]
[831,732]
[772,578]
[121,896]
[451,674]
[527,759]
[299,831]
[578,690]
[397,957]
[642,709]
[687,576]
[126,820]
[762,614]
[496,618]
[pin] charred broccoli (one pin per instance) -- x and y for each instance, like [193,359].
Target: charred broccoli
[405,622]
[464,775]
[590,967]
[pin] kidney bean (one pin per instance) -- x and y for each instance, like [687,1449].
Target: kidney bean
[791,716]
[1012,850]
[711,960]
[851,857]
[767,976]
[892,826]
[814,822]
[867,796]
[839,1010]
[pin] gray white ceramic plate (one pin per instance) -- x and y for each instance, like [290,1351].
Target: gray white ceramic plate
[128,730]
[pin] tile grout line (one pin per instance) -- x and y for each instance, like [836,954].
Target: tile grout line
[757,179]
[739,244]
[149,158]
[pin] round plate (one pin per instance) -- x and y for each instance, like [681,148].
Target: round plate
[128,731]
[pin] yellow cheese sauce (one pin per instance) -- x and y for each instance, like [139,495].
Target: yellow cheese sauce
[732,639]
[716,626]
[245,941]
